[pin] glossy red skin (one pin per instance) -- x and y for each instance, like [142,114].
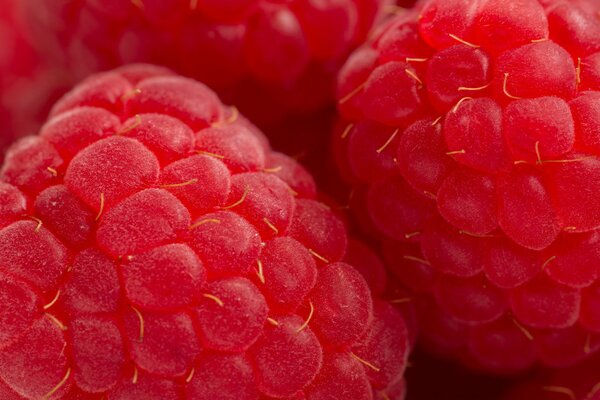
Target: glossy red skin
[153,246]
[472,158]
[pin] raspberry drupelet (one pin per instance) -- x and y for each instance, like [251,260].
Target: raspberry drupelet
[470,134]
[153,246]
[270,58]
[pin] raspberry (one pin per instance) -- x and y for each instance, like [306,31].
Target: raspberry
[154,247]
[287,52]
[468,132]
[28,85]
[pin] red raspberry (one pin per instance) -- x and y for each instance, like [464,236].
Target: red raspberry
[470,136]
[153,246]
[286,51]
[27,86]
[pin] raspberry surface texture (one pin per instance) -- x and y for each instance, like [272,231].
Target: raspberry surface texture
[271,58]
[469,134]
[153,246]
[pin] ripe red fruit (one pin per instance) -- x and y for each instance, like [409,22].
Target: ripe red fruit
[269,58]
[153,246]
[469,133]
[27,85]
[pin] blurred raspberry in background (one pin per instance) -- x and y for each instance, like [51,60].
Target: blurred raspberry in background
[28,83]
[271,58]
[276,60]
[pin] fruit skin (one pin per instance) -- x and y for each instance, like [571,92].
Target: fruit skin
[473,159]
[271,59]
[154,246]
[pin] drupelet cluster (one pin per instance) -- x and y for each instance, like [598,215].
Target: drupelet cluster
[153,246]
[470,134]
[288,52]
